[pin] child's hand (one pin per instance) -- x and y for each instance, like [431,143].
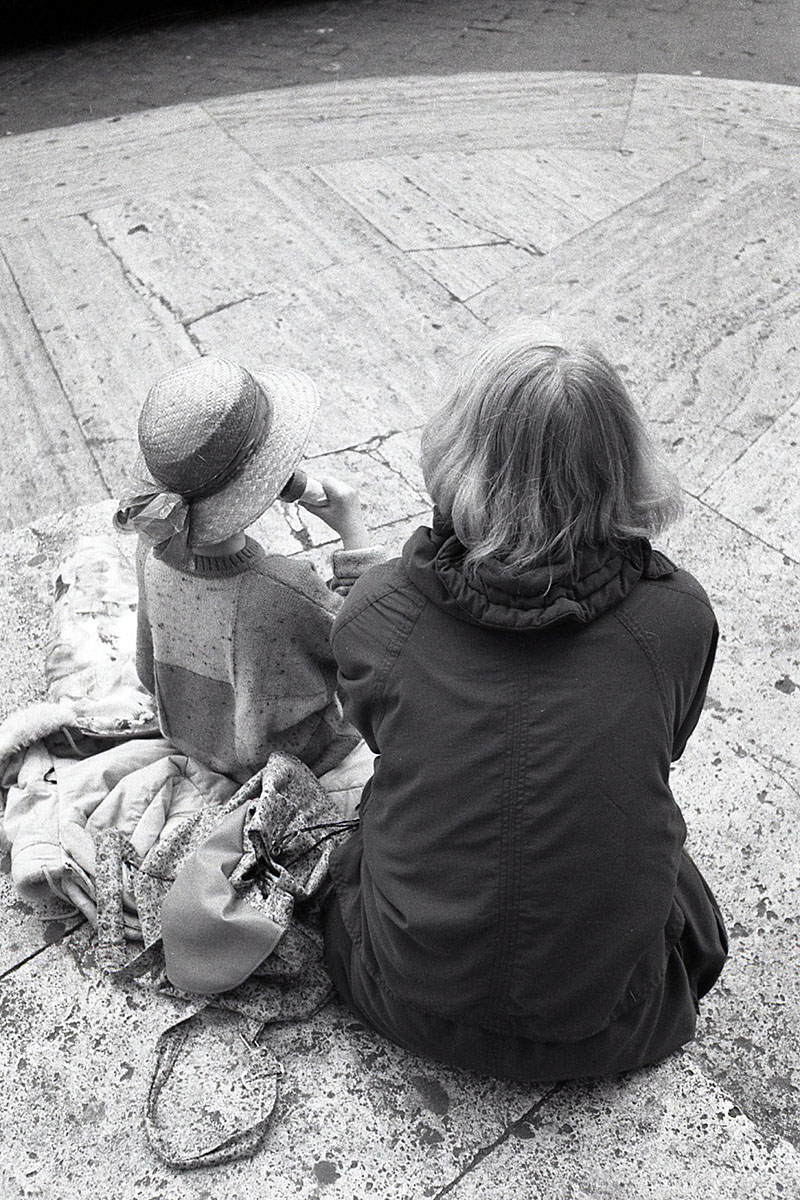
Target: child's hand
[342,511]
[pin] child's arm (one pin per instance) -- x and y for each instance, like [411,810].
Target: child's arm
[342,511]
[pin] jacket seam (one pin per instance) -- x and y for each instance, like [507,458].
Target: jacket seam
[671,587]
[344,617]
[636,631]
[510,851]
[392,654]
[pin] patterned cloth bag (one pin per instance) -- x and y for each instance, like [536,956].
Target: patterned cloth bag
[230,904]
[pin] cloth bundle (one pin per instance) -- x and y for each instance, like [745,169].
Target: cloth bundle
[219,889]
[195,886]
[229,907]
[91,686]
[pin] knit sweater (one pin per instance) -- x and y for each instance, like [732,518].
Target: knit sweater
[237,653]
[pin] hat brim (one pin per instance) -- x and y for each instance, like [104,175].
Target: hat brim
[260,481]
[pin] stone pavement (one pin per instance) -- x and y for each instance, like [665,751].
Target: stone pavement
[367,233]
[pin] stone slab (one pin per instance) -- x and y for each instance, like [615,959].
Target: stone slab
[731,118]
[355,1115]
[45,457]
[691,291]
[385,473]
[211,246]
[741,817]
[739,787]
[666,1133]
[377,335]
[533,198]
[329,123]
[464,271]
[760,490]
[59,172]
[753,589]
[108,340]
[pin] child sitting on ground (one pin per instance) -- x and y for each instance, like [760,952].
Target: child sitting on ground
[234,641]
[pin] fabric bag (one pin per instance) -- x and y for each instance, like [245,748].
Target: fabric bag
[229,904]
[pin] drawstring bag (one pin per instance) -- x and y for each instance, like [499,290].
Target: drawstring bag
[229,904]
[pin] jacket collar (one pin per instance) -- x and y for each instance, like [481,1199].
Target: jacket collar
[500,598]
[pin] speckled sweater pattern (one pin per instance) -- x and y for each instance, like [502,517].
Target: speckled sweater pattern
[237,653]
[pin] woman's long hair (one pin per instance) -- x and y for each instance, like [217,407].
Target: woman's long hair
[539,453]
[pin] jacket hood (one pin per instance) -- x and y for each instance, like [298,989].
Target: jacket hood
[502,598]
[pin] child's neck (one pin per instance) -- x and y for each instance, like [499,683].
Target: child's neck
[231,545]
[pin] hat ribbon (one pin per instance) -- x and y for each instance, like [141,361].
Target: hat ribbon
[163,516]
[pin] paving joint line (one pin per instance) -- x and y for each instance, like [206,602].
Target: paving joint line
[187,322]
[41,949]
[746,449]
[787,558]
[88,442]
[137,284]
[595,225]
[385,237]
[527,1117]
[627,121]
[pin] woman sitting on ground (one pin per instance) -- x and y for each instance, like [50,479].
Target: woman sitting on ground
[517,899]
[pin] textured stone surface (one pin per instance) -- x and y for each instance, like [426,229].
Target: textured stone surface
[760,489]
[744,121]
[753,588]
[354,1114]
[107,341]
[693,293]
[742,818]
[65,171]
[51,458]
[376,117]
[376,334]
[664,1133]
[739,787]
[353,260]
[212,246]
[532,198]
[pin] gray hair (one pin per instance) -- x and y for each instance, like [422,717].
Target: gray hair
[539,452]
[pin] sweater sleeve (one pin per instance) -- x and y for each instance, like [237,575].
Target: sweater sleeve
[350,565]
[144,635]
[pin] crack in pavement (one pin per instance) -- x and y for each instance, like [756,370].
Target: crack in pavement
[527,1118]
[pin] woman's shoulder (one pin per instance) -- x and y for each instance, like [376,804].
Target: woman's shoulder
[672,578]
[380,579]
[374,590]
[670,596]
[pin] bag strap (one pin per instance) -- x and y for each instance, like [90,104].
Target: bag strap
[112,849]
[259,1083]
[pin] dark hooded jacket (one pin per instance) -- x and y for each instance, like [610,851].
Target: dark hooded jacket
[518,874]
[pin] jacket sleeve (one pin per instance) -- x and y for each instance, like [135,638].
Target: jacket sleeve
[688,720]
[368,635]
[144,635]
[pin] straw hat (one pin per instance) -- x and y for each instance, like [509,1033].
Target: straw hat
[224,440]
